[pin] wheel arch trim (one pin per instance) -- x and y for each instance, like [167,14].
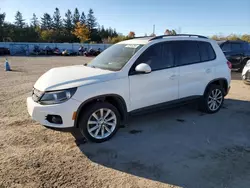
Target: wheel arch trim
[122,105]
[214,80]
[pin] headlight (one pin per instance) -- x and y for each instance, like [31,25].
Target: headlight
[55,97]
[248,63]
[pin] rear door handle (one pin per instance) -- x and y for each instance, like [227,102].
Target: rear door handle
[172,77]
[208,70]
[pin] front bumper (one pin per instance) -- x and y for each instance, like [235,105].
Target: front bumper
[65,110]
[246,74]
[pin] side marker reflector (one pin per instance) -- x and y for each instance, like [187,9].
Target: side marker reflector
[74,116]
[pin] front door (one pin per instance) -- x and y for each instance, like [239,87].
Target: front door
[159,86]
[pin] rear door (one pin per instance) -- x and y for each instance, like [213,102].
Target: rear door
[197,66]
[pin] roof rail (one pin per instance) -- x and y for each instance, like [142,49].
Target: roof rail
[180,35]
[141,37]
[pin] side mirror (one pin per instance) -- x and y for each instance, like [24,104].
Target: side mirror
[143,68]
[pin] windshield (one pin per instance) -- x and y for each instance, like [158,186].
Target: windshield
[115,57]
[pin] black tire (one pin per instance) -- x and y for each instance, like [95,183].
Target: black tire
[204,103]
[246,82]
[85,115]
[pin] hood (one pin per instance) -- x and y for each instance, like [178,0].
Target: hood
[72,76]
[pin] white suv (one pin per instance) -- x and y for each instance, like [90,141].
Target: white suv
[128,77]
[246,73]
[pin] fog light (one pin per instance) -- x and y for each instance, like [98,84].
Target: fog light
[54,119]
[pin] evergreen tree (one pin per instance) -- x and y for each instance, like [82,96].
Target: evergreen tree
[2,18]
[46,21]
[68,21]
[19,21]
[91,20]
[110,32]
[115,34]
[76,17]
[57,20]
[34,21]
[83,18]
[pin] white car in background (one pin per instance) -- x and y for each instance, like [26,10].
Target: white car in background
[246,73]
[128,77]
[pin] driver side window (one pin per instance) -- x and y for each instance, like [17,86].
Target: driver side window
[152,56]
[158,56]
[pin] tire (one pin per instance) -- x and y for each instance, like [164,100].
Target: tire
[246,82]
[206,104]
[89,123]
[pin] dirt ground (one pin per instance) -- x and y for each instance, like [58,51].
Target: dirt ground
[179,147]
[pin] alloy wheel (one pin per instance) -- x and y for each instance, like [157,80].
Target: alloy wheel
[215,99]
[101,123]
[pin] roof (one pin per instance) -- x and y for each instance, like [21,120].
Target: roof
[138,40]
[145,40]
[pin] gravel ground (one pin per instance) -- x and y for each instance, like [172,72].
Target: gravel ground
[171,148]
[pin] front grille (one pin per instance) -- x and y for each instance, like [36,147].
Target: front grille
[36,94]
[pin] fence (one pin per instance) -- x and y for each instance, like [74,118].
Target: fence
[22,48]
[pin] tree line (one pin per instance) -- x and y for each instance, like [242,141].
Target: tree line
[244,37]
[73,27]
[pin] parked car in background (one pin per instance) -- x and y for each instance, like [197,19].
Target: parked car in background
[92,52]
[57,51]
[4,51]
[68,53]
[246,73]
[237,52]
[36,50]
[48,51]
[81,50]
[129,77]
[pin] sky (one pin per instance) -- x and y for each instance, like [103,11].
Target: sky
[204,17]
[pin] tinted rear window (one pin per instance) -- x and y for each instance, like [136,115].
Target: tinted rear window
[206,51]
[236,46]
[226,47]
[188,52]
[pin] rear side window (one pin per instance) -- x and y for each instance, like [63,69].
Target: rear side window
[168,54]
[226,47]
[187,52]
[206,51]
[236,46]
